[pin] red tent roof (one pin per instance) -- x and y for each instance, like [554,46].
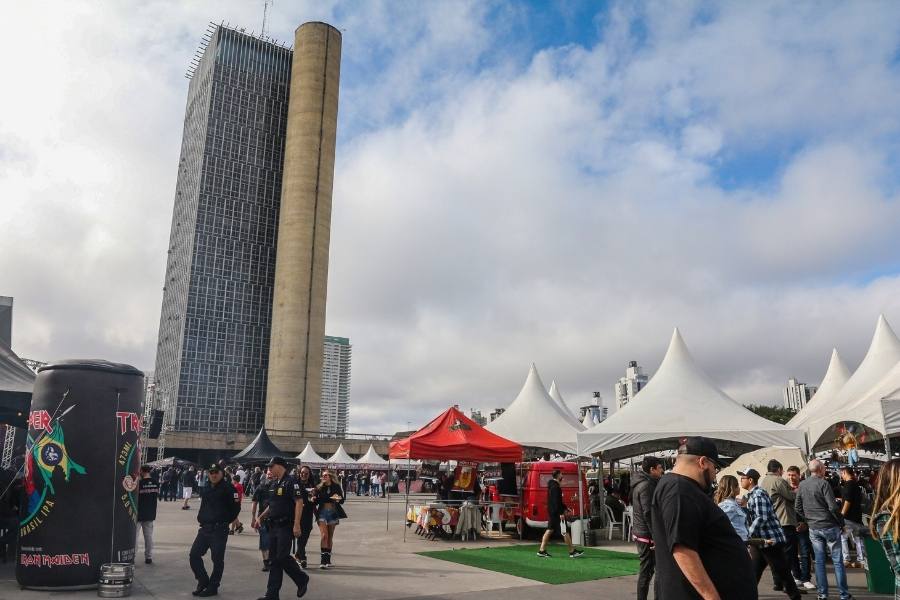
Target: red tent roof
[454,436]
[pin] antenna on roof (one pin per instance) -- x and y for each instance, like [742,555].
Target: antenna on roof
[266,5]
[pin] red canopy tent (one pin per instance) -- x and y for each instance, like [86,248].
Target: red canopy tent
[454,436]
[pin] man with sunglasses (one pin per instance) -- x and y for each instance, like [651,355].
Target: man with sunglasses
[698,553]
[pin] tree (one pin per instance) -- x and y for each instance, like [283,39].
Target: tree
[778,414]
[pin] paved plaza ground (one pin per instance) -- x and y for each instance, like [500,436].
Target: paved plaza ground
[371,563]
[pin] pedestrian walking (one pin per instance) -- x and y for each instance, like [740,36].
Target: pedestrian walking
[816,505]
[698,553]
[885,522]
[306,516]
[260,501]
[642,487]
[851,509]
[148,493]
[219,507]
[801,565]
[188,481]
[556,512]
[765,529]
[283,519]
[783,498]
[237,526]
[328,499]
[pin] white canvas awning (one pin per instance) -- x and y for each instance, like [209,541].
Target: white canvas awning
[681,400]
[836,376]
[891,408]
[859,399]
[535,419]
[340,458]
[371,459]
[310,458]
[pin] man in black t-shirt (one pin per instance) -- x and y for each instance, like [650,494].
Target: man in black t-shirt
[148,492]
[698,553]
[851,508]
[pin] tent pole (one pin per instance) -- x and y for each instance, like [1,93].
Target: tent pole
[406,510]
[387,518]
[580,496]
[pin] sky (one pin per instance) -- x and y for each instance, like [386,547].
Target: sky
[558,183]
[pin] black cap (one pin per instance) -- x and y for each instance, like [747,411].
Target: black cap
[277,460]
[749,472]
[214,468]
[700,446]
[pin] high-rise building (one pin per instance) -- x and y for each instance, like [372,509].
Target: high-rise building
[596,411]
[797,394]
[495,414]
[633,382]
[214,332]
[6,312]
[335,414]
[476,416]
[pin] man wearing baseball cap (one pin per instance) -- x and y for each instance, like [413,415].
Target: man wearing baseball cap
[765,529]
[698,553]
[219,507]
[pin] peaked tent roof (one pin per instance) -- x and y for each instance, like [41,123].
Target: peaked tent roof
[836,376]
[535,419]
[16,383]
[371,458]
[261,448]
[557,397]
[882,356]
[309,457]
[340,457]
[454,436]
[588,420]
[681,400]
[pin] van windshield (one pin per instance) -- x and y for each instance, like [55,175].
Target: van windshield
[568,480]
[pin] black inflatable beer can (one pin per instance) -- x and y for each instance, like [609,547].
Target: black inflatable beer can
[82,465]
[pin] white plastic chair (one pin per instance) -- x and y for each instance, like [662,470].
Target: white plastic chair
[628,517]
[612,522]
[494,513]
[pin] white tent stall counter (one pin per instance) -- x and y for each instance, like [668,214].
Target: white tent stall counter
[681,400]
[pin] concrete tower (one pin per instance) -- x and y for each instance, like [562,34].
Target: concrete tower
[293,395]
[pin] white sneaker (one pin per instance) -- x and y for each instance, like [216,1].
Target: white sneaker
[809,585]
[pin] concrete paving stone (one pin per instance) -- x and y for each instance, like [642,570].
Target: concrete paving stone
[371,563]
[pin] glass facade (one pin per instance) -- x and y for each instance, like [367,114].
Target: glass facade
[334,417]
[213,346]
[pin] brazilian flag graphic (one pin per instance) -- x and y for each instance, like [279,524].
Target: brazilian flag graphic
[49,453]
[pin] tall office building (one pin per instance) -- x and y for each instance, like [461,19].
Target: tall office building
[797,394]
[633,382]
[335,414]
[214,332]
[6,313]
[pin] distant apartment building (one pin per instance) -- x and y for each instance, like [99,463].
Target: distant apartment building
[633,382]
[476,416]
[334,418]
[596,410]
[6,312]
[797,394]
[495,414]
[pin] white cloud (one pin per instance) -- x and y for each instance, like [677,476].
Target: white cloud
[491,209]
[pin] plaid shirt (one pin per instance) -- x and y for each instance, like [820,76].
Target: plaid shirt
[891,548]
[763,520]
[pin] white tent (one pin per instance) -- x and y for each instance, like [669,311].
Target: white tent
[371,459]
[340,458]
[836,377]
[588,420]
[309,457]
[759,460]
[858,398]
[681,400]
[535,419]
[557,397]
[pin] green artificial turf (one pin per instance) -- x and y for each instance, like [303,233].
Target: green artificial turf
[522,561]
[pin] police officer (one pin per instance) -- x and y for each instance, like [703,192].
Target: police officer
[283,518]
[306,518]
[219,507]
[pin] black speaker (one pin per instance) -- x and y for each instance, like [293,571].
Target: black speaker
[156,422]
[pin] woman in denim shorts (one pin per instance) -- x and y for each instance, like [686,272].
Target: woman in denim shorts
[328,499]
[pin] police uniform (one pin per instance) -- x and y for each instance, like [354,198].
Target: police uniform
[284,493]
[219,506]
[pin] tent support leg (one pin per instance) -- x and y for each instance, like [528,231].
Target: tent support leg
[406,509]
[580,500]
[387,517]
[887,446]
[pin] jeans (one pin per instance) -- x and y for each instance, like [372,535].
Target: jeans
[801,570]
[648,566]
[147,528]
[851,531]
[774,557]
[827,542]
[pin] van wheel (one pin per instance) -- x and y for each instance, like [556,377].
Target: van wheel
[523,529]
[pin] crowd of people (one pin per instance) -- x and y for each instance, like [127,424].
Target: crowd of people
[700,539]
